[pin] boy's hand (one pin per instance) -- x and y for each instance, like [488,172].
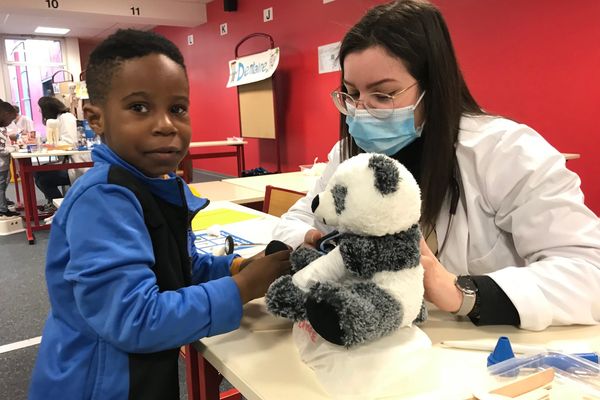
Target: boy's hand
[255,277]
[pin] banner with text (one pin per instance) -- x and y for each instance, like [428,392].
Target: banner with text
[253,68]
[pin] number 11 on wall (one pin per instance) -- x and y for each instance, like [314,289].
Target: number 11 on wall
[135,10]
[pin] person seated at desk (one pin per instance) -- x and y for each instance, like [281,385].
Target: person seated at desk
[49,182]
[23,122]
[7,115]
[509,238]
[127,287]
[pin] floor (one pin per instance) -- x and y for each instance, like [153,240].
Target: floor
[24,304]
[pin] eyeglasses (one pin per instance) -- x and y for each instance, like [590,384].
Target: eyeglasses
[379,105]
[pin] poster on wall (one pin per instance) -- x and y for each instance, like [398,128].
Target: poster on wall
[328,58]
[253,68]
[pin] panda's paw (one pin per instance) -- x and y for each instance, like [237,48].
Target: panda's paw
[285,299]
[303,256]
[353,314]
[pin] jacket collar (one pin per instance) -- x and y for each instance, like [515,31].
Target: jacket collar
[168,189]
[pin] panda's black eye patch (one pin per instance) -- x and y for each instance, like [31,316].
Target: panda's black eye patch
[387,176]
[339,194]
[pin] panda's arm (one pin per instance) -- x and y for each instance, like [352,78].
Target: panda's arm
[330,267]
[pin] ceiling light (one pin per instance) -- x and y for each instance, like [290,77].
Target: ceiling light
[52,31]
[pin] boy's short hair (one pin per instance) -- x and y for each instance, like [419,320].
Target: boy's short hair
[123,45]
[7,113]
[17,109]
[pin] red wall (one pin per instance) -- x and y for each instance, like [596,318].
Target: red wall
[534,61]
[86,46]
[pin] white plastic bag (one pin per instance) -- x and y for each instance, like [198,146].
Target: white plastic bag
[378,369]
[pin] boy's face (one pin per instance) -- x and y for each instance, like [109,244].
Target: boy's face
[144,118]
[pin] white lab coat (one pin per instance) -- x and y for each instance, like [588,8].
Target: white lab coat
[520,219]
[67,127]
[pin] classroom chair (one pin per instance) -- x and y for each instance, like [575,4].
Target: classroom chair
[278,200]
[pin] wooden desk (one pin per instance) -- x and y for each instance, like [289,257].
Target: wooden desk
[288,180]
[224,191]
[262,362]
[186,164]
[26,169]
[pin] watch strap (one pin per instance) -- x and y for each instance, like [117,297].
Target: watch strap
[469,298]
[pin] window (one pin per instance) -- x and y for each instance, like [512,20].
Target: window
[30,64]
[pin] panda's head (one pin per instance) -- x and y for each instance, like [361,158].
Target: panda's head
[369,194]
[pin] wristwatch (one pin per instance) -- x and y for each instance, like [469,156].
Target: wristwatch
[465,284]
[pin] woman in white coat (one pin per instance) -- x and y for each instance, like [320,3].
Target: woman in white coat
[59,120]
[512,241]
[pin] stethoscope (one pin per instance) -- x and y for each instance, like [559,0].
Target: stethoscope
[454,197]
[328,242]
[229,245]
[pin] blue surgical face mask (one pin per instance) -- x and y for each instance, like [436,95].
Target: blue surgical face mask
[386,136]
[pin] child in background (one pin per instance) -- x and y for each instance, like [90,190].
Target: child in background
[126,285]
[23,122]
[7,115]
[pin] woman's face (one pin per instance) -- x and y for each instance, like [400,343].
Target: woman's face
[374,70]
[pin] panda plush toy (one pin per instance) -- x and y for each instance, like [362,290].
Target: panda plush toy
[371,283]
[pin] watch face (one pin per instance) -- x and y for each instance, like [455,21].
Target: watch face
[466,284]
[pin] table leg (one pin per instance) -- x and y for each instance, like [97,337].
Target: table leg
[203,379]
[209,378]
[192,373]
[24,163]
[16,178]
[33,198]
[241,163]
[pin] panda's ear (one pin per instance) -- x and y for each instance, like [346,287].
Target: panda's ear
[387,177]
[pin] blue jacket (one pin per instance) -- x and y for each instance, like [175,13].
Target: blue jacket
[104,297]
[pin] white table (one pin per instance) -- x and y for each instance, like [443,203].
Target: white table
[288,180]
[266,365]
[261,360]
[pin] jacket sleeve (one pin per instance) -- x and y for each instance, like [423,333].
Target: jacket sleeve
[294,224]
[115,289]
[207,267]
[539,202]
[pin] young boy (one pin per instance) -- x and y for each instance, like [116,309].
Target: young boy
[23,123]
[7,115]
[127,287]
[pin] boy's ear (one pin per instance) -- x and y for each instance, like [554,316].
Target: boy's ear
[95,118]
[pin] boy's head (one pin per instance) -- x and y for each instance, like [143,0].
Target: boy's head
[139,100]
[7,114]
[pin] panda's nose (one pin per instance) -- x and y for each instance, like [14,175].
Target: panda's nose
[315,203]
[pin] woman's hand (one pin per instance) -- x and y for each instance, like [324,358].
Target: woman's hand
[311,238]
[439,283]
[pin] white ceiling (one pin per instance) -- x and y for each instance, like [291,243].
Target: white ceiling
[99,18]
